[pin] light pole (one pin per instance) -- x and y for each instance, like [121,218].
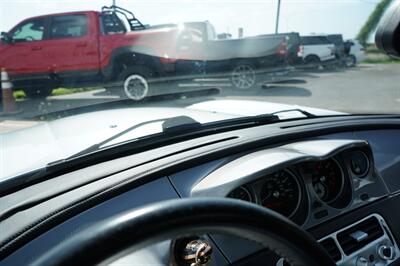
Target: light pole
[277,17]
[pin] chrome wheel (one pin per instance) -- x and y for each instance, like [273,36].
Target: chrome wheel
[243,77]
[136,87]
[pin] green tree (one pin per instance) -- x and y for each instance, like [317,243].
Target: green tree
[372,22]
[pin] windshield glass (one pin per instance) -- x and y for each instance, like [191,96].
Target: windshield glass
[76,73]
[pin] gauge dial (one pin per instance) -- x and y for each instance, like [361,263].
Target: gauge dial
[281,193]
[327,180]
[241,193]
[359,163]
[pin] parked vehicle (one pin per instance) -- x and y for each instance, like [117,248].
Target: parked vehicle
[224,36]
[337,40]
[85,49]
[317,50]
[293,43]
[355,53]
[239,59]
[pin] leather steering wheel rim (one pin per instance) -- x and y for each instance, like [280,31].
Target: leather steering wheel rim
[110,239]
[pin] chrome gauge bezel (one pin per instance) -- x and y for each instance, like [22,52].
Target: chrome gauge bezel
[249,191]
[368,164]
[262,181]
[339,194]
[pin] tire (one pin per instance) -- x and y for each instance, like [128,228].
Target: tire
[351,61]
[312,61]
[243,76]
[38,93]
[135,83]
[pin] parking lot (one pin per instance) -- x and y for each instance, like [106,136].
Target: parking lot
[367,88]
[355,90]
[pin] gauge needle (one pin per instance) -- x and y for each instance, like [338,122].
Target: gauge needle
[267,197]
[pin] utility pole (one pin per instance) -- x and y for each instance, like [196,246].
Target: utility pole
[113,1]
[277,17]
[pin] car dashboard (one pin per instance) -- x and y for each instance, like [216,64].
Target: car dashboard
[310,182]
[307,182]
[342,188]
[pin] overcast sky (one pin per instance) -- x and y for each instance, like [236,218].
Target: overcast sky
[255,16]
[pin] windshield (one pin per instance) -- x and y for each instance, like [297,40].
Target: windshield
[76,73]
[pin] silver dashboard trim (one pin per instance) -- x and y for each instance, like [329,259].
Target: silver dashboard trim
[368,249]
[252,166]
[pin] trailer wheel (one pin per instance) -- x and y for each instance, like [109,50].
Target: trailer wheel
[135,83]
[243,76]
[38,93]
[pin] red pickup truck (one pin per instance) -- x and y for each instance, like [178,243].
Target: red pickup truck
[86,49]
[89,48]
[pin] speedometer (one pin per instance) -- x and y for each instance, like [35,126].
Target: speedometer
[281,193]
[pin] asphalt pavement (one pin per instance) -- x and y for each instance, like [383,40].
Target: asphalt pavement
[366,88]
[363,89]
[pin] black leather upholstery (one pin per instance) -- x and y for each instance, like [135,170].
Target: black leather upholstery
[110,239]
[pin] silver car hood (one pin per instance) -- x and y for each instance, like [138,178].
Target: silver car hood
[251,108]
[32,148]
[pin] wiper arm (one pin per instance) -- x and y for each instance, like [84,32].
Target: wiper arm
[307,114]
[176,123]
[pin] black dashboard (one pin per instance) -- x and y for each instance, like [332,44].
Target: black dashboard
[309,182]
[343,188]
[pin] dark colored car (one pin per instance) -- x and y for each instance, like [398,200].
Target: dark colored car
[340,54]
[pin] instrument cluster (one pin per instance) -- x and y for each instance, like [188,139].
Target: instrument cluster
[304,189]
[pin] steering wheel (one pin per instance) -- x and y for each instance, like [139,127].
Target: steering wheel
[106,241]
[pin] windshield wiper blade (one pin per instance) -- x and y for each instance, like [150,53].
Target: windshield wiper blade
[174,132]
[175,123]
[175,127]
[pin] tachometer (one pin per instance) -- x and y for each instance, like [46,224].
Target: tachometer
[241,193]
[281,193]
[327,180]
